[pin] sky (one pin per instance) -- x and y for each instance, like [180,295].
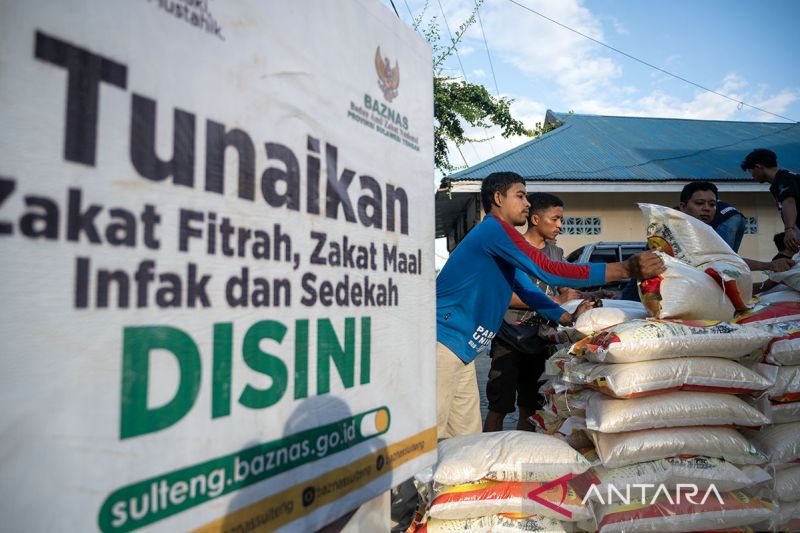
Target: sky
[746,49]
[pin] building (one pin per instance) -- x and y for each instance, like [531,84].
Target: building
[602,166]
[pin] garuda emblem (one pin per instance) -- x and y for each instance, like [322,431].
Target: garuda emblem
[388,77]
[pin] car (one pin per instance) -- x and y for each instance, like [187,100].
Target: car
[607,252]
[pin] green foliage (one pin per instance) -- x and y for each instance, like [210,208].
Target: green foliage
[459,102]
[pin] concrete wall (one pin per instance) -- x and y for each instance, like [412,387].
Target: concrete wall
[622,220]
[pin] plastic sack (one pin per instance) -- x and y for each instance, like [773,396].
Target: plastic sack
[622,449]
[611,313]
[780,442]
[673,409]
[790,278]
[694,242]
[781,413]
[506,456]
[493,524]
[684,292]
[787,385]
[684,512]
[770,313]
[781,293]
[787,484]
[646,340]
[613,484]
[572,403]
[631,380]
[784,347]
[471,500]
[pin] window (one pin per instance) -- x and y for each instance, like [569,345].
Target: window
[751,225]
[582,226]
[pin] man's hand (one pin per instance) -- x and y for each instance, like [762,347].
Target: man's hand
[792,241]
[781,265]
[589,303]
[599,294]
[566,294]
[645,265]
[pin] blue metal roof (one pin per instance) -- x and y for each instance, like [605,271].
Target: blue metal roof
[601,148]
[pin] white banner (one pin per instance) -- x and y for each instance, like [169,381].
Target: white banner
[216,247]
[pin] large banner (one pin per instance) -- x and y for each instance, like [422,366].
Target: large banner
[216,259]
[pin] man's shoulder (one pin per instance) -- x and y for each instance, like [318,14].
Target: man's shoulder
[553,251]
[786,175]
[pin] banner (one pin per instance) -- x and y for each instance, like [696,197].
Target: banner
[216,248]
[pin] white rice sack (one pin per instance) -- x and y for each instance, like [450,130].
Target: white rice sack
[733,276]
[672,409]
[686,511]
[473,500]
[784,348]
[787,484]
[494,524]
[682,236]
[629,380]
[684,292]
[701,472]
[763,314]
[482,498]
[622,449]
[608,315]
[790,278]
[781,413]
[694,242]
[780,442]
[785,517]
[781,293]
[506,455]
[568,404]
[645,340]
[787,385]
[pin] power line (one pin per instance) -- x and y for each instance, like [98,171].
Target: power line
[395,9]
[486,44]
[463,73]
[410,14]
[738,102]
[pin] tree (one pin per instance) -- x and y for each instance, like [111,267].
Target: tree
[458,102]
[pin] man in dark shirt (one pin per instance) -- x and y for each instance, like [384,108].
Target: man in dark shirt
[784,186]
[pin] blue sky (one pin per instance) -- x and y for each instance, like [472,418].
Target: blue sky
[747,49]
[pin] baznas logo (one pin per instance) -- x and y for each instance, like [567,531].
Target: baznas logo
[388,77]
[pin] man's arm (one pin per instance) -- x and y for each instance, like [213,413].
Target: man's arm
[778,265]
[507,243]
[789,212]
[531,295]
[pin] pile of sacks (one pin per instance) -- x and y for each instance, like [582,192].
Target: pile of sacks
[691,395]
[506,481]
[681,413]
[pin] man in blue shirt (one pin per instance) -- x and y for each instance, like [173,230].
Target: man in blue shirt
[475,286]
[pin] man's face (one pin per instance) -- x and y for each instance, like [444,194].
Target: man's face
[513,206]
[702,205]
[548,223]
[758,174]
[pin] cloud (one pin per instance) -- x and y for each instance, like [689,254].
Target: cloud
[479,73]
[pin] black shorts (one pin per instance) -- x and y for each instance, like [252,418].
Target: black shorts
[514,376]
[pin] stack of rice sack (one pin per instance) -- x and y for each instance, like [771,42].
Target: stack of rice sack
[666,412]
[505,481]
[780,315]
[667,408]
